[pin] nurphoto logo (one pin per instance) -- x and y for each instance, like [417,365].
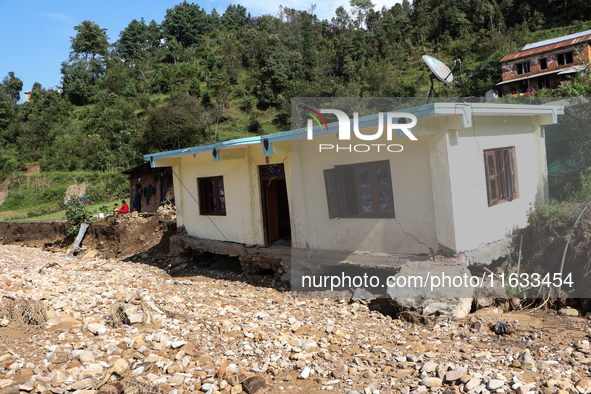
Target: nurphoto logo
[345,129]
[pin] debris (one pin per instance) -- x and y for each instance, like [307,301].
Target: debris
[27,315]
[225,334]
[501,328]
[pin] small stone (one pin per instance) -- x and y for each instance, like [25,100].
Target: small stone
[236,389]
[83,384]
[86,358]
[175,380]
[583,385]
[305,373]
[494,384]
[432,382]
[412,358]
[472,384]
[568,312]
[522,390]
[429,366]
[253,384]
[120,367]
[340,371]
[309,345]
[59,377]
[28,387]
[452,376]
[527,361]
[58,357]
[516,364]
[112,388]
[178,344]
[96,328]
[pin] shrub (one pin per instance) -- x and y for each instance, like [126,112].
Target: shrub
[76,213]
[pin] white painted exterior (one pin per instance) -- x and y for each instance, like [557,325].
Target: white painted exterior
[439,186]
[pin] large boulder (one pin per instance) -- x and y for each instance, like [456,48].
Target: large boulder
[435,287]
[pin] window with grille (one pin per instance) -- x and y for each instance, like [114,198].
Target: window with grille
[362,190]
[500,175]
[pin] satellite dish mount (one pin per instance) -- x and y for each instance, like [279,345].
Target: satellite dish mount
[441,72]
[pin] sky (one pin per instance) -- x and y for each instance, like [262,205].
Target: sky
[35,34]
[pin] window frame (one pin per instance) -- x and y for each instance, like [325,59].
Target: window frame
[339,201]
[545,62]
[561,59]
[505,187]
[205,207]
[522,68]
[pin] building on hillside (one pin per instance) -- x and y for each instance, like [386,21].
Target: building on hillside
[467,181]
[156,185]
[545,64]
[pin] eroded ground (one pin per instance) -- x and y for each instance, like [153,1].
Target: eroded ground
[213,331]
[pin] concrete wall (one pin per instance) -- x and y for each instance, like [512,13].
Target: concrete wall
[439,186]
[413,231]
[239,168]
[475,222]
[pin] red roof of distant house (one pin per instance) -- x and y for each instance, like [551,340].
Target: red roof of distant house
[546,48]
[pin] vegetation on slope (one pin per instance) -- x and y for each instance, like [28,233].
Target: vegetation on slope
[159,85]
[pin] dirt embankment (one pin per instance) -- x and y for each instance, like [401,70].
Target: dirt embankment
[33,234]
[544,245]
[115,237]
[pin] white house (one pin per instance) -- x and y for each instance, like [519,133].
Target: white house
[467,181]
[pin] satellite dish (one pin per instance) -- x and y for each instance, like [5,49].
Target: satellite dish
[441,72]
[439,69]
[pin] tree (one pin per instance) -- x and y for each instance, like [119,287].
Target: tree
[91,41]
[186,22]
[138,39]
[76,82]
[177,125]
[235,17]
[361,9]
[12,87]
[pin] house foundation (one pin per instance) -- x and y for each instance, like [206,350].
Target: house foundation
[275,260]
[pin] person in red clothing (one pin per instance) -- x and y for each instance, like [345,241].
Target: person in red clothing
[124,208]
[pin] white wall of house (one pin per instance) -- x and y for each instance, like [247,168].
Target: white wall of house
[475,223]
[239,168]
[438,182]
[413,199]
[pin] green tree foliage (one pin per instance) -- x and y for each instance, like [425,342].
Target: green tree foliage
[160,85]
[186,23]
[12,87]
[76,213]
[90,42]
[177,125]
[139,40]
[235,17]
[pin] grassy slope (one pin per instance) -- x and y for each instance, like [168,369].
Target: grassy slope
[41,195]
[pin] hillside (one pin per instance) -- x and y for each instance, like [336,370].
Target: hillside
[161,84]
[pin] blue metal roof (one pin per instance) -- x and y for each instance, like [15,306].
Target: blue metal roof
[555,40]
[466,110]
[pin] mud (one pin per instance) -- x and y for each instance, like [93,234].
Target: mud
[114,237]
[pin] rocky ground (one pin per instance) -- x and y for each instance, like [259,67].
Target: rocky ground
[111,326]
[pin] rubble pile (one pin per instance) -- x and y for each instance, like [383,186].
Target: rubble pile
[114,327]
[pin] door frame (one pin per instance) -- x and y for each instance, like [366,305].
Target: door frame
[264,200]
